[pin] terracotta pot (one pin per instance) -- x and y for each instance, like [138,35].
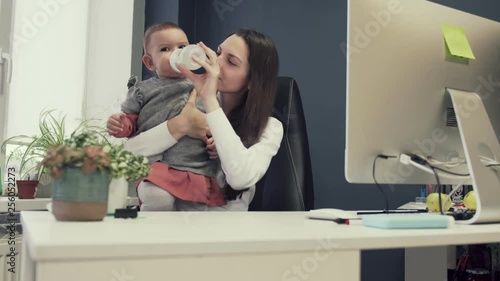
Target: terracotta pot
[80,197]
[79,211]
[26,189]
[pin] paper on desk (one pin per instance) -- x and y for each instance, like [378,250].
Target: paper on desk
[456,41]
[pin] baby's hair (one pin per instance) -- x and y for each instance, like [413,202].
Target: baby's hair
[154,28]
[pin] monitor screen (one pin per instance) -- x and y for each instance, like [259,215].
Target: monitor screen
[398,72]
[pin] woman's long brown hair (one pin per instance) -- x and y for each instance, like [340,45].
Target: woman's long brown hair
[250,118]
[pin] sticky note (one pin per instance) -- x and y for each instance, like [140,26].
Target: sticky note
[451,58]
[456,41]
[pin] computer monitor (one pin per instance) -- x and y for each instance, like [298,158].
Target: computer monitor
[400,83]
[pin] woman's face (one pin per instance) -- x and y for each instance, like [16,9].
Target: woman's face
[233,62]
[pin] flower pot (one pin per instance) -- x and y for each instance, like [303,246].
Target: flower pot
[26,189]
[117,196]
[80,197]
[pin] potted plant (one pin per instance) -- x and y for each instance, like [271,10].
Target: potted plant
[81,173]
[82,169]
[30,150]
[125,167]
[26,181]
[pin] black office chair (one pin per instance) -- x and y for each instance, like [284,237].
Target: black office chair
[288,183]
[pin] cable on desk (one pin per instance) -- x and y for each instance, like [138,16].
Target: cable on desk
[439,188]
[375,179]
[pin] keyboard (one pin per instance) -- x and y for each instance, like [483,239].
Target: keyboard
[397,211]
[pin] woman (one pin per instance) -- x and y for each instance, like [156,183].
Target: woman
[237,92]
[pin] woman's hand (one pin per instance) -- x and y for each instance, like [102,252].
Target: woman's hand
[206,84]
[190,122]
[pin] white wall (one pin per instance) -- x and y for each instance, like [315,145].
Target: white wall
[109,56]
[49,61]
[5,27]
[70,55]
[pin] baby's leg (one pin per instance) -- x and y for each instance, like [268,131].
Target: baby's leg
[181,205]
[154,198]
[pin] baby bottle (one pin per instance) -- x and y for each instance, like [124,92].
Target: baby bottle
[184,57]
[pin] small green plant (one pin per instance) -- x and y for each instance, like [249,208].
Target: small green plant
[87,147]
[128,165]
[15,160]
[123,163]
[91,150]
[88,158]
[31,150]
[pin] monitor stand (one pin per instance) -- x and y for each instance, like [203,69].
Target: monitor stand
[478,139]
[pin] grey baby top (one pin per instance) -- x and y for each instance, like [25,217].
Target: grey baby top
[157,100]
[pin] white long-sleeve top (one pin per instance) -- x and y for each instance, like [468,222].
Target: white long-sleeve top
[243,167]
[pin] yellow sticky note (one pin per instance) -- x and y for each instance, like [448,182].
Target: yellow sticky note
[457,42]
[452,58]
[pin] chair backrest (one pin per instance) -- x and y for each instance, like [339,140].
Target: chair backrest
[288,183]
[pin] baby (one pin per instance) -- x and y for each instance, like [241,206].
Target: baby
[184,170]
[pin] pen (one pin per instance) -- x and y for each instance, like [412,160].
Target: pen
[354,222]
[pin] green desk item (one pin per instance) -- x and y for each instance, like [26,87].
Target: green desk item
[456,41]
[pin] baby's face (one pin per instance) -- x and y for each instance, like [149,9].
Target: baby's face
[161,46]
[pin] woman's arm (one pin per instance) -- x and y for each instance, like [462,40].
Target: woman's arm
[243,166]
[152,141]
[206,84]
[190,122]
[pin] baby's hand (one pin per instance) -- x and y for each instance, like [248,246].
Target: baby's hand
[211,148]
[115,124]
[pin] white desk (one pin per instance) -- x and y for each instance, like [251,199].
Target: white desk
[215,246]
